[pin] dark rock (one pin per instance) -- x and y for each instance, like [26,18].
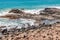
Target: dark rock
[18,30]
[50,11]
[22,29]
[15,11]
[4,31]
[47,9]
[31,27]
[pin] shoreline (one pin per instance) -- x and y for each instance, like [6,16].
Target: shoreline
[47,20]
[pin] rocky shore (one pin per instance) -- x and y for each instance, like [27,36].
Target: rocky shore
[46,25]
[45,33]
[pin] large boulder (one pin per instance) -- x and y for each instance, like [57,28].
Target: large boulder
[50,11]
[4,31]
[15,11]
[13,14]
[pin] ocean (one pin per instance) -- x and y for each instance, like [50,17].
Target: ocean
[28,4]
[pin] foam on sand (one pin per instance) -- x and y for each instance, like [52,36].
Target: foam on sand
[16,22]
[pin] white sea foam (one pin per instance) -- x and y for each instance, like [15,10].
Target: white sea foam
[4,12]
[34,11]
[16,22]
[31,11]
[37,11]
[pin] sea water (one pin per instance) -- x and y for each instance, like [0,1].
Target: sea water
[28,4]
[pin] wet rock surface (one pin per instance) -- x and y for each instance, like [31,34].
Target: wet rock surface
[44,33]
[51,10]
[15,11]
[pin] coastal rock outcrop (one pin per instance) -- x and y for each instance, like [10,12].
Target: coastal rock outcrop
[13,14]
[53,10]
[15,11]
[50,11]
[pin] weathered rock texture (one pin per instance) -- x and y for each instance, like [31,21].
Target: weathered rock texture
[15,11]
[44,33]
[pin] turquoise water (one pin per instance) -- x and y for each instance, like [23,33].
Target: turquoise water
[28,4]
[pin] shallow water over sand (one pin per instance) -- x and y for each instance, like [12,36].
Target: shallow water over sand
[47,22]
[17,22]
